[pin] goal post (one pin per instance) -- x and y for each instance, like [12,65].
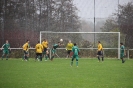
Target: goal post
[74,36]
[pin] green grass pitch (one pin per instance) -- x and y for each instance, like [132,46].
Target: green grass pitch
[58,73]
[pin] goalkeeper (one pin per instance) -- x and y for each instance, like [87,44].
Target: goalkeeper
[69,48]
[5,48]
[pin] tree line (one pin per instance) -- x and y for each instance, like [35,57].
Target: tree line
[24,19]
[123,23]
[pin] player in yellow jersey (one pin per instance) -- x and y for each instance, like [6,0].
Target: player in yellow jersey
[45,49]
[69,48]
[100,51]
[39,51]
[26,49]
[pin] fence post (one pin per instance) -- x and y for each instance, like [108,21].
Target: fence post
[128,53]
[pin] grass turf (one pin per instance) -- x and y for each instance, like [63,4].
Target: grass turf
[58,73]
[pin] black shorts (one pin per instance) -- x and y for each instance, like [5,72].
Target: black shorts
[25,52]
[38,54]
[99,53]
[69,51]
[45,49]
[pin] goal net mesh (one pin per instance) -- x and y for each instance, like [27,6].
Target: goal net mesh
[86,41]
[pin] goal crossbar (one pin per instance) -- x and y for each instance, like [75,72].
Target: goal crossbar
[79,32]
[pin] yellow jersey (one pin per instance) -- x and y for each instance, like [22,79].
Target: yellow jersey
[45,44]
[26,47]
[100,47]
[69,46]
[39,48]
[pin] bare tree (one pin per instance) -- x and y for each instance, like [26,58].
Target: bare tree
[125,20]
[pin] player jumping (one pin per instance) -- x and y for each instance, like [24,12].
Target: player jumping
[54,49]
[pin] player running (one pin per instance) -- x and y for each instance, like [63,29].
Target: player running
[122,53]
[100,51]
[69,48]
[45,50]
[6,48]
[39,50]
[54,50]
[75,51]
[26,50]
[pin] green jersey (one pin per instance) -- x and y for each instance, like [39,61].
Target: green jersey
[6,46]
[75,50]
[122,49]
[55,46]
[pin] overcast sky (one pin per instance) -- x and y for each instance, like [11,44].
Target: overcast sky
[103,8]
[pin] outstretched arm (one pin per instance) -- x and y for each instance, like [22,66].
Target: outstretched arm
[2,47]
[9,47]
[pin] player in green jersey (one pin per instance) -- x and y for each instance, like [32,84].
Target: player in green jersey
[54,49]
[6,48]
[122,52]
[75,51]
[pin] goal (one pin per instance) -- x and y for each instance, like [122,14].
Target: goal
[86,41]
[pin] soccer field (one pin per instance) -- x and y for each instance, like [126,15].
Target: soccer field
[58,73]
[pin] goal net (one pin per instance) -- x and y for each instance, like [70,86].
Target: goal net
[86,41]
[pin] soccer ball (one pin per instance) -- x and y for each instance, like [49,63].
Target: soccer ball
[61,40]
